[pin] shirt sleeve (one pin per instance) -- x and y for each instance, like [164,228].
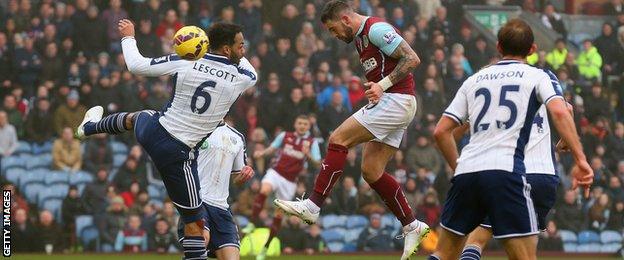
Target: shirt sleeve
[548,88]
[247,71]
[458,109]
[277,143]
[239,161]
[315,151]
[137,64]
[385,37]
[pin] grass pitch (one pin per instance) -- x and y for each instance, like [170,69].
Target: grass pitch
[290,257]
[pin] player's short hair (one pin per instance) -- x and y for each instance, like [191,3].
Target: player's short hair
[332,10]
[221,34]
[515,38]
[302,117]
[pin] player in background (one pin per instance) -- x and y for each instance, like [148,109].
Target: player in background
[541,176]
[203,92]
[221,158]
[500,102]
[388,61]
[294,150]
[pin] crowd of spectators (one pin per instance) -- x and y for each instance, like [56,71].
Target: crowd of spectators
[60,57]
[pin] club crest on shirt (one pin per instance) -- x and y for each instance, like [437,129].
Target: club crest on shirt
[233,140]
[389,37]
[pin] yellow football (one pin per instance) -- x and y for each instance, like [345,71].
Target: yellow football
[190,42]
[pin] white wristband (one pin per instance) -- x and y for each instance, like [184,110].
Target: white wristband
[385,83]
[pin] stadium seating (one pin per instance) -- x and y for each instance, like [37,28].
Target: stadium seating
[12,162]
[356,221]
[568,236]
[333,235]
[80,177]
[331,221]
[42,161]
[351,235]
[30,177]
[335,246]
[119,148]
[44,148]
[82,222]
[610,248]
[569,247]
[23,147]
[90,237]
[31,191]
[54,205]
[349,247]
[610,236]
[14,174]
[119,159]
[589,248]
[155,192]
[588,237]
[57,177]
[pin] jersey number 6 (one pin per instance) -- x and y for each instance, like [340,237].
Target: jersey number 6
[513,109]
[199,92]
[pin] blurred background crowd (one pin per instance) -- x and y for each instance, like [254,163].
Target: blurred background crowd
[60,57]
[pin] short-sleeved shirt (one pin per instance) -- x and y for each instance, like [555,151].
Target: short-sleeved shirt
[501,102]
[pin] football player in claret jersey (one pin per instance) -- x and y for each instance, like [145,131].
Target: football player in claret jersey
[388,62]
[501,102]
[204,90]
[294,150]
[221,158]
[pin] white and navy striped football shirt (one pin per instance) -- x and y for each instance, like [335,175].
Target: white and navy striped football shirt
[221,155]
[204,90]
[500,102]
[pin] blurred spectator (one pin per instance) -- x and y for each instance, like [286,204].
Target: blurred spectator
[615,143]
[48,232]
[73,205]
[424,155]
[557,56]
[551,239]
[129,173]
[569,215]
[282,60]
[271,99]
[141,200]
[38,122]
[432,100]
[426,8]
[429,210]
[170,22]
[98,153]
[163,239]
[245,199]
[374,237]
[357,95]
[69,114]
[334,113]
[15,116]
[147,42]
[114,221]
[552,20]
[589,61]
[22,233]
[158,97]
[111,17]
[609,49]
[614,7]
[289,24]
[170,214]
[601,173]
[52,66]
[95,197]
[131,195]
[292,236]
[324,98]
[8,136]
[27,62]
[571,67]
[66,152]
[250,18]
[314,242]
[440,22]
[344,198]
[90,35]
[615,190]
[599,103]
[353,165]
[294,107]
[306,41]
[132,238]
[368,201]
[599,213]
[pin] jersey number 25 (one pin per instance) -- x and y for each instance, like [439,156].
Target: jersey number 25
[513,109]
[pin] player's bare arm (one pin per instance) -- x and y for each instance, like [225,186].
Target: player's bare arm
[561,145]
[408,61]
[244,175]
[126,28]
[564,123]
[445,139]
[264,153]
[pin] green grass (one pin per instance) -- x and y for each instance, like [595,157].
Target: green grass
[296,257]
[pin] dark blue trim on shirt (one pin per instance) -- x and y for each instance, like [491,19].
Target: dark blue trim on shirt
[454,117]
[554,81]
[175,81]
[218,59]
[525,133]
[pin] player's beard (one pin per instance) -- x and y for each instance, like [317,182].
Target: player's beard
[348,38]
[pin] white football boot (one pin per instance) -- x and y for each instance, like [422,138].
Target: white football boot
[94,115]
[414,234]
[298,208]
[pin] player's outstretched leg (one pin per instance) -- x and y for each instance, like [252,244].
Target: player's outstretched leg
[476,242]
[275,228]
[375,157]
[93,123]
[348,134]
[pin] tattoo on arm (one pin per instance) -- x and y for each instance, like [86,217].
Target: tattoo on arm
[408,60]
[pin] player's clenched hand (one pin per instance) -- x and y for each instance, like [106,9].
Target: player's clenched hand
[374,92]
[126,28]
[562,147]
[246,173]
[582,175]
